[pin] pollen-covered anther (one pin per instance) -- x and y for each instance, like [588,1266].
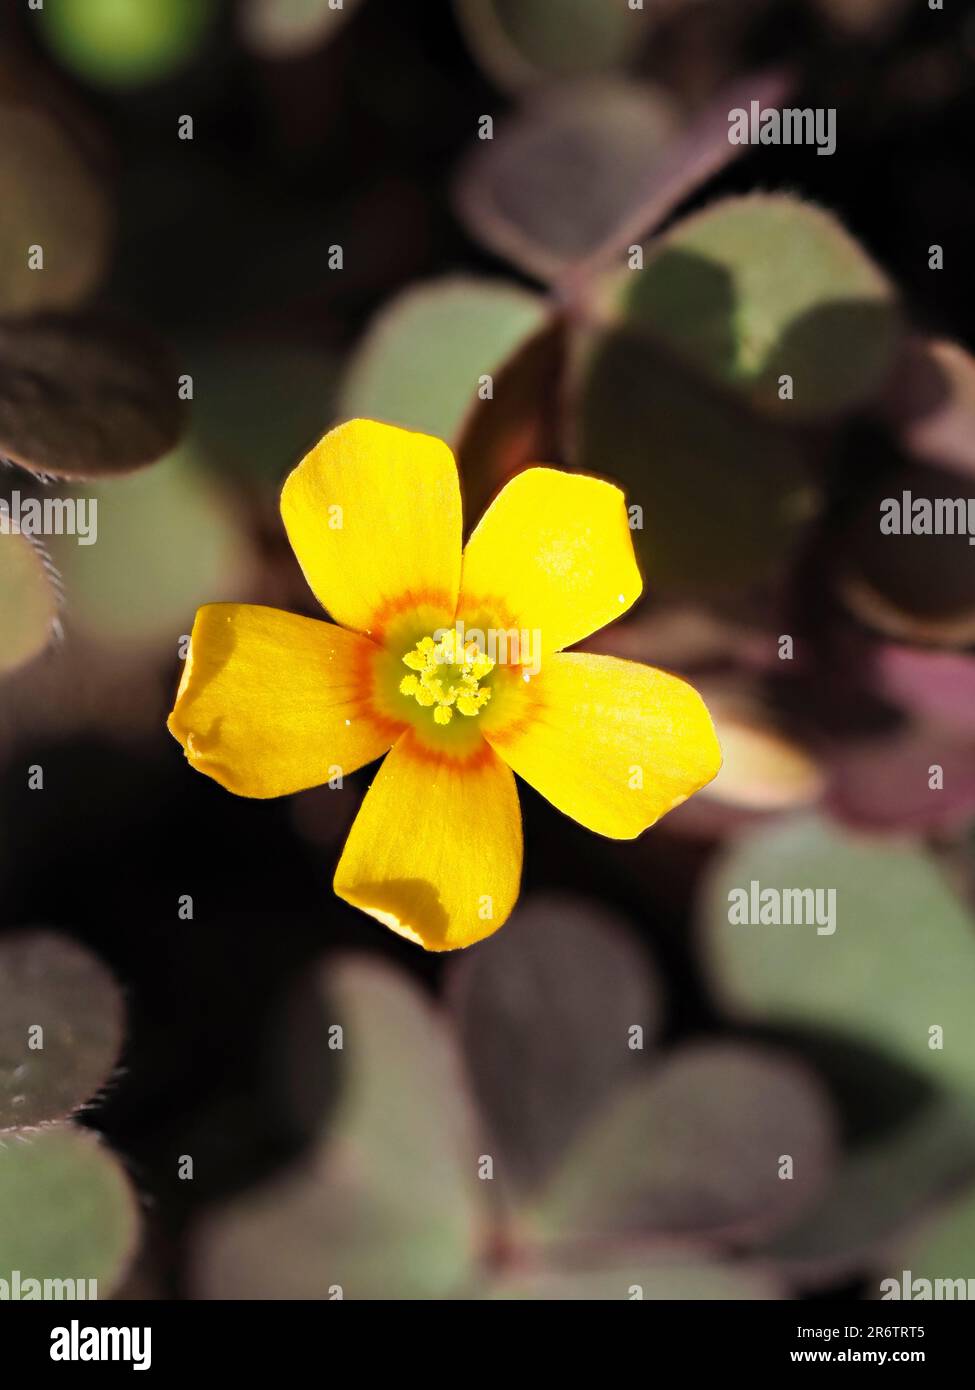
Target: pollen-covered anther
[447,676]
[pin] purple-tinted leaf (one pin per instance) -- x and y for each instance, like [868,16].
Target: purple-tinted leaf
[700,151]
[891,782]
[698,1147]
[931,403]
[61,1026]
[546,1012]
[879,1188]
[386,1205]
[935,685]
[559,176]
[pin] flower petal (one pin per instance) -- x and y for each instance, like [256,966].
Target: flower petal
[552,554]
[270,702]
[611,743]
[373,514]
[435,851]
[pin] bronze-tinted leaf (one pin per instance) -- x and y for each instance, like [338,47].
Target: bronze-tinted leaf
[81,397]
[54,208]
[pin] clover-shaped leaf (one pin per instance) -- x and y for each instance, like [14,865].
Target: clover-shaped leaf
[69,1212]
[558,179]
[584,171]
[722,496]
[697,1146]
[166,543]
[61,1026]
[421,362]
[551,1016]
[385,1207]
[758,290]
[82,396]
[897,973]
[55,229]
[880,1186]
[519,42]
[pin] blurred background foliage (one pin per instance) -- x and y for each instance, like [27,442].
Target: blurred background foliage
[634,285]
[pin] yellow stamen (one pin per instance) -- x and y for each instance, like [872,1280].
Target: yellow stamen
[448,676]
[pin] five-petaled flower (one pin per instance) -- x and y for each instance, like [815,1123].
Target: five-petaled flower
[269,702]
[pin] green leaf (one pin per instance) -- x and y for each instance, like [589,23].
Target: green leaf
[900,961]
[385,1207]
[168,541]
[49,983]
[756,288]
[723,496]
[69,1211]
[50,201]
[85,396]
[126,43]
[28,601]
[420,361]
[575,966]
[524,41]
[942,1249]
[695,1147]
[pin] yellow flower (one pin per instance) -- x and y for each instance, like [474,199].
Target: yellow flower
[453,658]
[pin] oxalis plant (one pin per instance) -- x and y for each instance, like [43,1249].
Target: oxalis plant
[85,395]
[71,1219]
[746,372]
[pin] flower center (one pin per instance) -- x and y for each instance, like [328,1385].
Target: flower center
[447,676]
